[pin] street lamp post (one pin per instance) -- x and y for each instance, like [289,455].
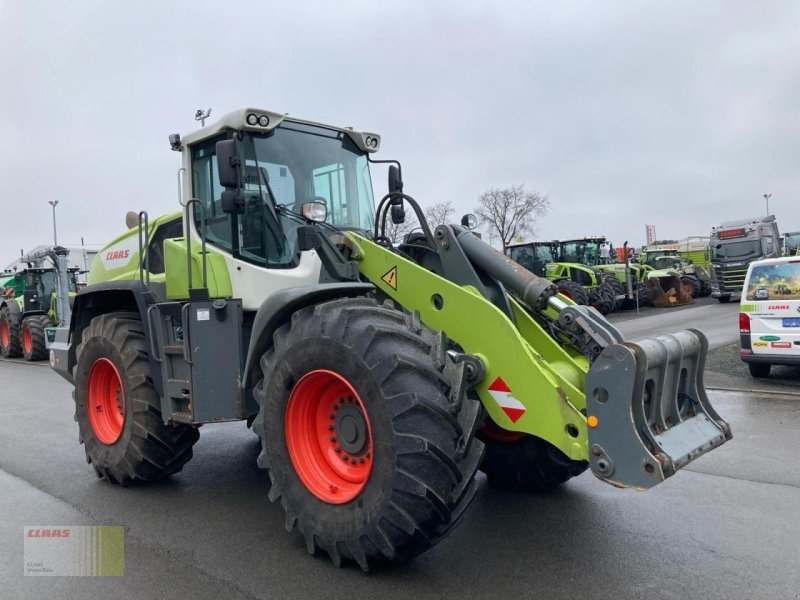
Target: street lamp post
[54,203]
[766,199]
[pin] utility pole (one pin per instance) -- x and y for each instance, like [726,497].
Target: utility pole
[54,203]
[766,198]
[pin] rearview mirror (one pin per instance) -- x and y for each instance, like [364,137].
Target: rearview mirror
[232,202]
[229,164]
[395,182]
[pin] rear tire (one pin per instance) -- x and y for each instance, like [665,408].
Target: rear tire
[527,464]
[572,290]
[124,437]
[10,338]
[34,346]
[421,453]
[724,299]
[759,370]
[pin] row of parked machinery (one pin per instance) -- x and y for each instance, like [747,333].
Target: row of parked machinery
[577,269]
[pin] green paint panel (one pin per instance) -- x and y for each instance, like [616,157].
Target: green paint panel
[545,379]
[219,281]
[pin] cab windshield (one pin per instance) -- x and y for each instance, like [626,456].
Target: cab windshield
[285,168]
[585,253]
[736,250]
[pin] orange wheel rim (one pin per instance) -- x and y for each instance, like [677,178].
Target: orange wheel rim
[328,436]
[105,401]
[5,335]
[27,341]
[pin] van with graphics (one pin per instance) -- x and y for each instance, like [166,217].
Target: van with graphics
[769,315]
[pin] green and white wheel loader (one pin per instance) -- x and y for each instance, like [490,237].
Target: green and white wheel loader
[379,378]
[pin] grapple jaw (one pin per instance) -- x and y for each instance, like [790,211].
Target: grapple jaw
[649,409]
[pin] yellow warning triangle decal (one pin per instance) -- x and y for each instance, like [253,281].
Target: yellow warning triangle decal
[390,278]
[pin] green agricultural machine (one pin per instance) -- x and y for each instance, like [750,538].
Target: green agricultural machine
[694,276]
[540,258]
[560,263]
[379,378]
[581,258]
[35,299]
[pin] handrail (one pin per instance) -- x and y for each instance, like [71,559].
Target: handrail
[187,351]
[144,258]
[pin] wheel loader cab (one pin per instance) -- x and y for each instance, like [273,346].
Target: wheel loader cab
[276,173]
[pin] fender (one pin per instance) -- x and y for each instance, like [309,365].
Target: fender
[13,309]
[278,308]
[111,296]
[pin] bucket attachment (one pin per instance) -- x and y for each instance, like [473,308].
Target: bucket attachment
[647,409]
[668,290]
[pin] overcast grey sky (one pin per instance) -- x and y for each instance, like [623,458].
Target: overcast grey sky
[677,114]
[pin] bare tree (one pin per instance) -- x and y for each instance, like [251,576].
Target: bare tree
[511,211]
[439,214]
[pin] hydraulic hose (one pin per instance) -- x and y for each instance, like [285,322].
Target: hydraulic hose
[535,291]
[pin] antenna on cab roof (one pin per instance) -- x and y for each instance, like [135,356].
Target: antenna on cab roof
[202,116]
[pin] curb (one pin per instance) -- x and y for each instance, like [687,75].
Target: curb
[754,391]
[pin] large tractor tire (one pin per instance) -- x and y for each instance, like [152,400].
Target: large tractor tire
[367,449]
[616,290]
[34,346]
[523,462]
[10,338]
[117,408]
[693,283]
[600,299]
[572,290]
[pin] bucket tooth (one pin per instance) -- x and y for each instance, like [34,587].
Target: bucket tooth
[651,413]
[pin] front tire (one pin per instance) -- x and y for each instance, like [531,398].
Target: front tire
[410,443]
[34,346]
[117,408]
[573,290]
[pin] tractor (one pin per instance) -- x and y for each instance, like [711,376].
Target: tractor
[32,303]
[540,259]
[379,378]
[579,282]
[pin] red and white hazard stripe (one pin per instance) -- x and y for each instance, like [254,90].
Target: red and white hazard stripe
[501,393]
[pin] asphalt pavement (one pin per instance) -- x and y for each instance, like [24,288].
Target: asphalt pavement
[724,527]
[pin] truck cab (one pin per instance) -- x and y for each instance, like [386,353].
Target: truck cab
[736,244]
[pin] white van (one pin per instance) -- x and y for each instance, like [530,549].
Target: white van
[769,315]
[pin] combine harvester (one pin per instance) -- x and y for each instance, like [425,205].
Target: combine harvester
[378,378]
